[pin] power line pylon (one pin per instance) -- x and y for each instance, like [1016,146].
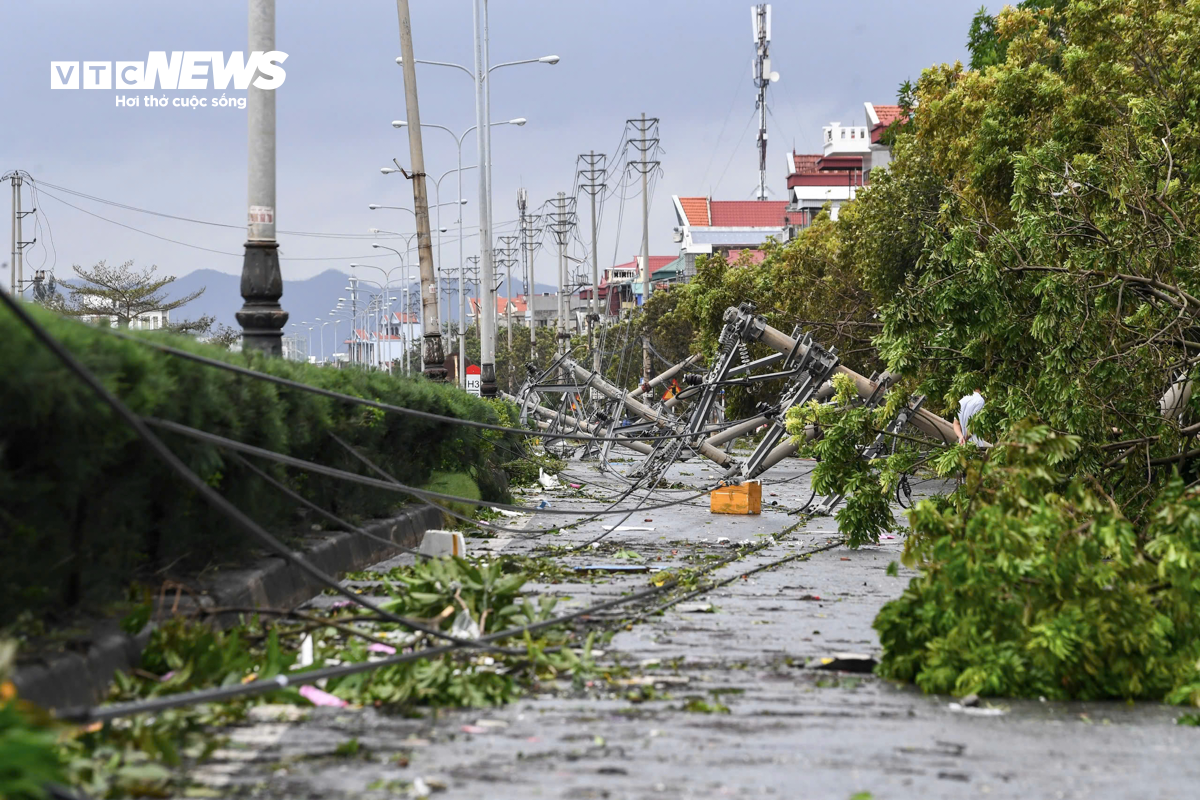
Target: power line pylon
[560,220]
[506,256]
[645,144]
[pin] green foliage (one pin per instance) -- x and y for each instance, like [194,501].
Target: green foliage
[90,508]
[1034,583]
[122,292]
[814,281]
[143,755]
[524,471]
[1033,236]
[28,757]
[455,591]
[847,427]
[457,484]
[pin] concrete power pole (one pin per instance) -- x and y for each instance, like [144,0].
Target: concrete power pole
[527,253]
[646,144]
[17,264]
[562,219]
[487,317]
[432,355]
[591,180]
[16,233]
[262,318]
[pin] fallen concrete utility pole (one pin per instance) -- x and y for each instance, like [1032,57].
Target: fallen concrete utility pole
[756,329]
[585,428]
[660,379]
[590,379]
[547,417]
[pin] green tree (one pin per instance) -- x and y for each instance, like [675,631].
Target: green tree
[124,292]
[1035,235]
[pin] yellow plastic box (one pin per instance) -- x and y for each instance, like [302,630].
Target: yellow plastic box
[743,499]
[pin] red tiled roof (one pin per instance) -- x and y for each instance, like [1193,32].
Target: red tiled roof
[888,114]
[806,163]
[751,214]
[400,318]
[518,303]
[696,211]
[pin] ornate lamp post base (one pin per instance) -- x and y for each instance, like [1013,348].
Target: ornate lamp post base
[262,318]
[434,357]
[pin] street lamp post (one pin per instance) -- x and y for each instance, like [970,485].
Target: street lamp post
[458,141]
[437,193]
[323,324]
[261,317]
[387,280]
[480,76]
[381,301]
[308,351]
[338,314]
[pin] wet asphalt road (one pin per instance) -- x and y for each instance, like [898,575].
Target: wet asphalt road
[723,701]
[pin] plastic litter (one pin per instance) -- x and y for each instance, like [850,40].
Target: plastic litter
[548,481]
[376,647]
[464,627]
[306,652]
[504,512]
[575,485]
[976,711]
[321,698]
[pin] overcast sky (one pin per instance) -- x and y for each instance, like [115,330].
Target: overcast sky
[684,61]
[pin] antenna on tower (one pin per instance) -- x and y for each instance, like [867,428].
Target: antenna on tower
[760,18]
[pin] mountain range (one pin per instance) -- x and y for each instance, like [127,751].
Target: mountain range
[304,300]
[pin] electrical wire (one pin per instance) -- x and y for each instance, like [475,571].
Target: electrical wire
[200,247]
[196,483]
[362,401]
[304,501]
[91,714]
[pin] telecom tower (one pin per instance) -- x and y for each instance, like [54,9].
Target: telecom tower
[763,77]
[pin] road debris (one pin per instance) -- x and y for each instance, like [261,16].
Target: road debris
[694,608]
[846,662]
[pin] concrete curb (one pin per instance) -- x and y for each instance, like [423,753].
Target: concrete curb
[76,679]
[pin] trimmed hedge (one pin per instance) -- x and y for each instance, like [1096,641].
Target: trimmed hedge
[85,508]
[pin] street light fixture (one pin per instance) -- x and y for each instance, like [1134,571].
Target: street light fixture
[483,111]
[483,212]
[543,60]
